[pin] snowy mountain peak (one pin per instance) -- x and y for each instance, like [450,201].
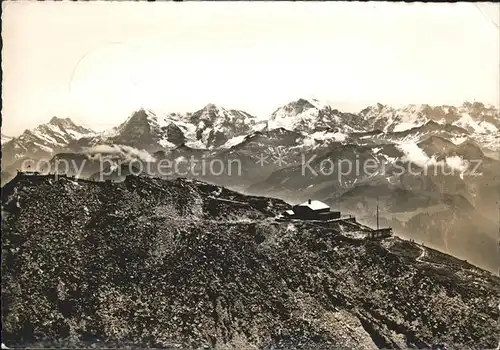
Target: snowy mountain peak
[301,102]
[145,129]
[212,106]
[390,119]
[312,115]
[210,114]
[65,126]
[298,115]
[299,106]
[215,125]
[480,121]
[60,128]
[208,127]
[45,139]
[139,116]
[59,121]
[377,108]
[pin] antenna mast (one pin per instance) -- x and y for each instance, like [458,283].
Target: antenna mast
[377,213]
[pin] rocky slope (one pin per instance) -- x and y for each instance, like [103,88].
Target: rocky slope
[154,263]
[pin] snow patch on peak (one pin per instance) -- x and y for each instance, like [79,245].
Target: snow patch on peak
[459,140]
[283,118]
[471,125]
[389,119]
[234,141]
[406,125]
[319,104]
[305,115]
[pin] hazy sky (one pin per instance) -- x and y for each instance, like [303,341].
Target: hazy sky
[97,61]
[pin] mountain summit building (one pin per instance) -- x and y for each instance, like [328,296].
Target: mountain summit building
[312,210]
[319,211]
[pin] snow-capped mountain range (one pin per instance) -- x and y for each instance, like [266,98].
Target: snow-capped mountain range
[45,139]
[214,127]
[210,127]
[474,117]
[311,116]
[415,136]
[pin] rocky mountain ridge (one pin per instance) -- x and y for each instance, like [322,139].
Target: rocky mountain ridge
[181,263]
